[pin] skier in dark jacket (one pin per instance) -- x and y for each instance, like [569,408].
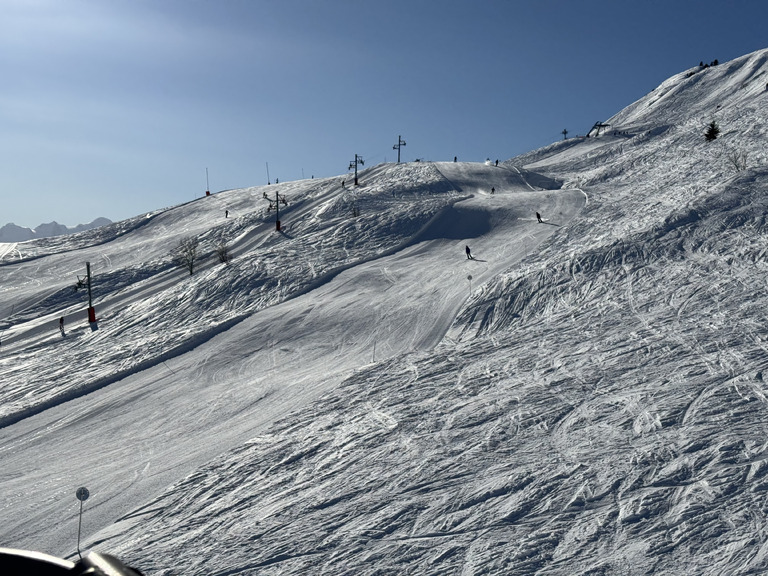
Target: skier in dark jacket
[538,217]
[469,255]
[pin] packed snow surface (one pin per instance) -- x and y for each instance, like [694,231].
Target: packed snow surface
[353,395]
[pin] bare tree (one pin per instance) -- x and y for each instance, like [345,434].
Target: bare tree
[737,159]
[185,254]
[222,251]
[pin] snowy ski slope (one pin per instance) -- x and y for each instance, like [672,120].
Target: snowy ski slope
[341,398]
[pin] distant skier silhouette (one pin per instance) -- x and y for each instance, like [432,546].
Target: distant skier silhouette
[469,254]
[493,190]
[538,217]
[61,325]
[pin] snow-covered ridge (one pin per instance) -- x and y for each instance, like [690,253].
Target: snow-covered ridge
[585,397]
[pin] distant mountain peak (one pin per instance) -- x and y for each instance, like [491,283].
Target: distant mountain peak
[13,233]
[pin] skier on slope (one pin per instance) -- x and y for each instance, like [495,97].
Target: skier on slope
[61,325]
[538,217]
[469,255]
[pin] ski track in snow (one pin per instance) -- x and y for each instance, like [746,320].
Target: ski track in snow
[7,248]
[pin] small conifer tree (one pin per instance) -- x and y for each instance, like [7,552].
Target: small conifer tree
[712,132]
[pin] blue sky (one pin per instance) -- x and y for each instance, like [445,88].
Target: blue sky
[115,108]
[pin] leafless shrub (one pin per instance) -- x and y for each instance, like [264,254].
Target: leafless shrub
[737,159]
[222,251]
[185,253]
